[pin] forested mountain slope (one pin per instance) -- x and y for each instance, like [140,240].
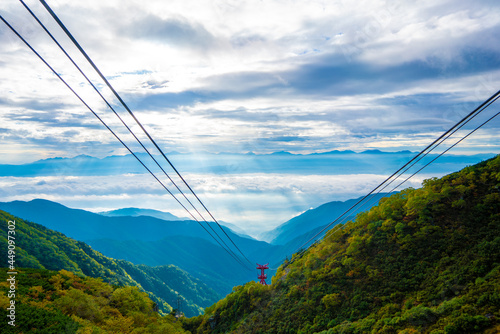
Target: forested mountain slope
[200,258]
[50,302]
[422,261]
[40,247]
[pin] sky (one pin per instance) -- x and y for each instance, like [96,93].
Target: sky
[247,76]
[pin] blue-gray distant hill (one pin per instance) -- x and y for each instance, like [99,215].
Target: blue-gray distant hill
[84,225]
[136,212]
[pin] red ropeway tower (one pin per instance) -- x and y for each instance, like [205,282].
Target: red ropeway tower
[262,275]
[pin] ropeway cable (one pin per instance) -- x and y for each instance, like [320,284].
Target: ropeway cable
[75,42]
[119,117]
[114,134]
[471,116]
[462,122]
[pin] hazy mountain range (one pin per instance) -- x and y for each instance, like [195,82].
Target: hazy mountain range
[327,163]
[142,239]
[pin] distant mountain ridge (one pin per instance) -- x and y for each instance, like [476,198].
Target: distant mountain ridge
[324,163]
[85,225]
[136,212]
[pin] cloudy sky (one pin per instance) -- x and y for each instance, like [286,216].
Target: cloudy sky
[248,76]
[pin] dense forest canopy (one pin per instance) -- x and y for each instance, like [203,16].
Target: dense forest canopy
[62,302]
